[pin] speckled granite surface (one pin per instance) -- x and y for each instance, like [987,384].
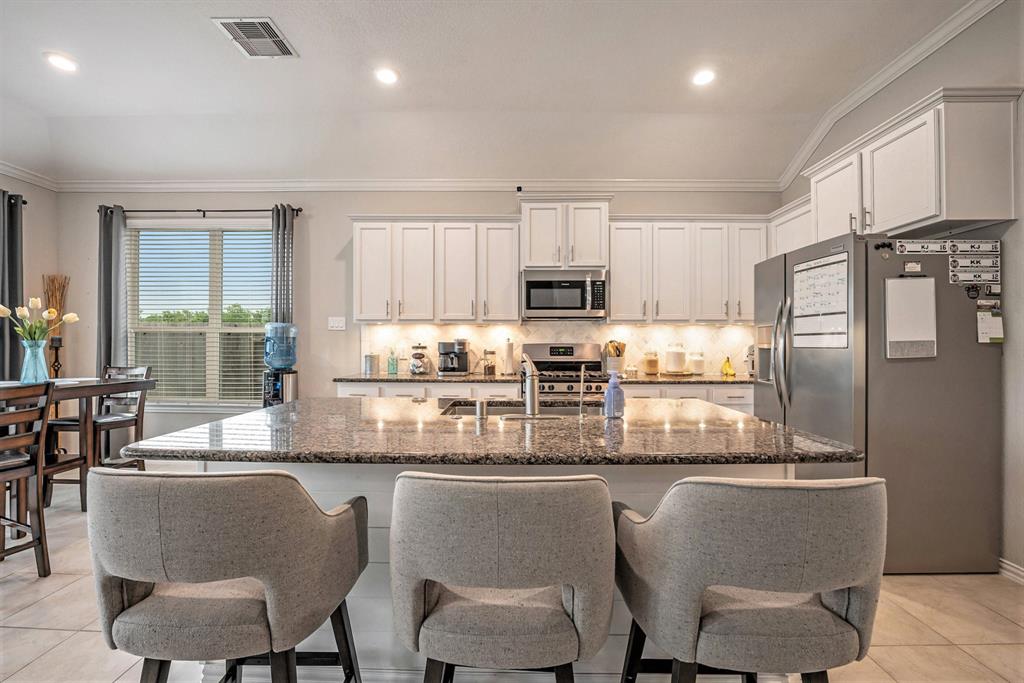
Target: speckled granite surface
[414,431]
[514,379]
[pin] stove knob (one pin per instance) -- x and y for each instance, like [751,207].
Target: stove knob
[589,387]
[568,387]
[597,387]
[551,387]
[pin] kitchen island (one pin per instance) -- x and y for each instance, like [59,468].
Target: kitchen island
[343,447]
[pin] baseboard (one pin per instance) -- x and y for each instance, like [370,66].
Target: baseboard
[1014,572]
[329,674]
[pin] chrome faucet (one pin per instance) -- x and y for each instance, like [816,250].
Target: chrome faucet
[531,388]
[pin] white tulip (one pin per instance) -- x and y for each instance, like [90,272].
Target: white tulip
[70,318]
[4,311]
[49,314]
[35,303]
[21,312]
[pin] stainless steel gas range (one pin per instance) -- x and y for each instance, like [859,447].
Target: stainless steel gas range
[564,368]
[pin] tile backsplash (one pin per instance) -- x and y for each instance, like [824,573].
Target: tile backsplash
[716,341]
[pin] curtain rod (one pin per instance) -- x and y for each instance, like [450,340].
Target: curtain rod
[297,210]
[24,202]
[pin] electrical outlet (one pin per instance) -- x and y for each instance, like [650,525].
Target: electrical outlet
[336,322]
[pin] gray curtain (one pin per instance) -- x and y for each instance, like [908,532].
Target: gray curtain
[112,294]
[11,279]
[283,232]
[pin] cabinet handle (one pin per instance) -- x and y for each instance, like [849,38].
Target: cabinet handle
[853,223]
[739,308]
[727,308]
[472,308]
[657,306]
[867,218]
[559,252]
[399,307]
[485,307]
[387,308]
[572,252]
[644,314]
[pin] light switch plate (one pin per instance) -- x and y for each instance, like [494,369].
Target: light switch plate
[336,322]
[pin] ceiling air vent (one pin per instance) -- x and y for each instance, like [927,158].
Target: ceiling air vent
[256,36]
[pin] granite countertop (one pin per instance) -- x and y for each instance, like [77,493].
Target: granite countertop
[416,432]
[514,379]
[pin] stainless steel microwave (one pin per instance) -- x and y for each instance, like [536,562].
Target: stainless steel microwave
[563,294]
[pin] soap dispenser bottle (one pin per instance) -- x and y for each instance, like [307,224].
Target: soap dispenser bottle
[614,398]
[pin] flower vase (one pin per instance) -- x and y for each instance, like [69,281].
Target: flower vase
[33,365]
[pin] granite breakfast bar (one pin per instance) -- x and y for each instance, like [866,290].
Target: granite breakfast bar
[343,447]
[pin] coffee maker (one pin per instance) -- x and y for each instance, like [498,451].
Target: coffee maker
[453,358]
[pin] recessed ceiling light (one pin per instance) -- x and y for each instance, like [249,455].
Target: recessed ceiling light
[703,77]
[62,62]
[386,76]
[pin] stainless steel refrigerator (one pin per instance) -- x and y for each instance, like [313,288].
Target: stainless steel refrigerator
[872,347]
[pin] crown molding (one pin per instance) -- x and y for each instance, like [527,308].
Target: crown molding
[786,208]
[942,34]
[688,217]
[27,176]
[433,218]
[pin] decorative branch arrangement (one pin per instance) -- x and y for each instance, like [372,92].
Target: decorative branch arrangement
[55,291]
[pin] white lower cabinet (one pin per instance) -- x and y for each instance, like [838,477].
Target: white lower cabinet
[358,390]
[685,392]
[403,390]
[640,391]
[496,391]
[738,397]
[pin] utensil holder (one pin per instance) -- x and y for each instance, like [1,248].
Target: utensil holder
[613,364]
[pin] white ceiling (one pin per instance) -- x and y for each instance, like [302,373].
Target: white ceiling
[501,89]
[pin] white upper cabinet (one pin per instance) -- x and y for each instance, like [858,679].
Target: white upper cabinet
[747,246]
[456,256]
[711,300]
[792,228]
[498,269]
[560,235]
[672,274]
[543,225]
[587,229]
[413,266]
[630,272]
[901,175]
[371,285]
[836,199]
[945,162]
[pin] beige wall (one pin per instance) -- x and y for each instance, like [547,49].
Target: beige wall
[991,52]
[323,254]
[39,234]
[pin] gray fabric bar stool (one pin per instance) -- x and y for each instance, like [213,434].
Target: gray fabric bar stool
[501,573]
[753,576]
[235,566]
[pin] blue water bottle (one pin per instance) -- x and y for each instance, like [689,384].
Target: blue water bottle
[614,399]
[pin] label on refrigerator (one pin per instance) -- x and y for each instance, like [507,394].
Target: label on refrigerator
[820,302]
[922,246]
[974,246]
[968,262]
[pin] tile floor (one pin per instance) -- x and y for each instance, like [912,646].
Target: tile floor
[929,628]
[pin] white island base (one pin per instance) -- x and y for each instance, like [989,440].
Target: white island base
[381,656]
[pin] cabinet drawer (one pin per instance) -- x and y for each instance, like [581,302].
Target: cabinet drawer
[348,390]
[648,391]
[729,395]
[449,391]
[403,391]
[496,391]
[686,392]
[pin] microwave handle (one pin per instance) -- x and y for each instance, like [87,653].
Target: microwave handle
[590,293]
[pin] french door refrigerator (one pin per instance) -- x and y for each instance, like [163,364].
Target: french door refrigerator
[875,348]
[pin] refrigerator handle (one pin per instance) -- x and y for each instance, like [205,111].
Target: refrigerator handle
[773,366]
[786,344]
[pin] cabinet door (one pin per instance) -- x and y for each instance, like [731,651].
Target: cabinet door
[498,287]
[631,391]
[414,270]
[836,199]
[392,390]
[542,235]
[793,230]
[630,276]
[456,270]
[674,391]
[587,227]
[712,276]
[371,277]
[672,270]
[747,246]
[901,175]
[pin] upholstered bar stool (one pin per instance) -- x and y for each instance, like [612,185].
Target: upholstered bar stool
[240,567]
[753,576]
[501,573]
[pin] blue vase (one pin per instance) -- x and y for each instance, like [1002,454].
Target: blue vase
[33,365]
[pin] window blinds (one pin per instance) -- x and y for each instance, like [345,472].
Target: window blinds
[198,298]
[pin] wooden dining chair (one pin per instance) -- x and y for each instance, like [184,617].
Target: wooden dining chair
[116,411]
[24,411]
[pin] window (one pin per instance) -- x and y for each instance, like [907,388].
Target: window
[198,297]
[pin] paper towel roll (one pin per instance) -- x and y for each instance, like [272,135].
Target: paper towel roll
[509,364]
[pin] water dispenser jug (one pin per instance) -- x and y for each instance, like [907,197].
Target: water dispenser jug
[279,345]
